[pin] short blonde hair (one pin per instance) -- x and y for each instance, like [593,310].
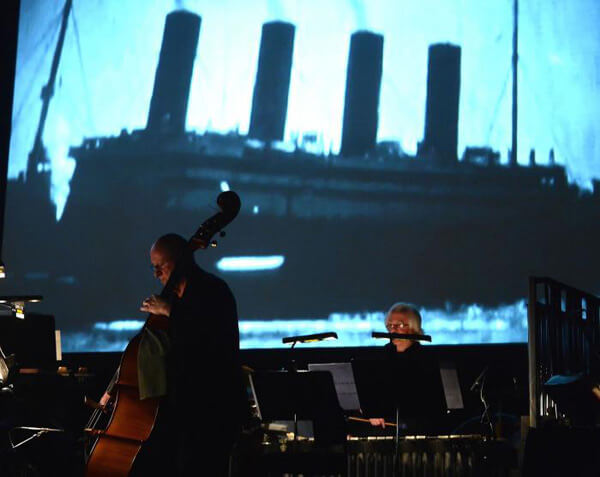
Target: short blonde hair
[409,310]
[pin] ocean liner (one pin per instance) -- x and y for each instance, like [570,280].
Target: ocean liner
[351,231]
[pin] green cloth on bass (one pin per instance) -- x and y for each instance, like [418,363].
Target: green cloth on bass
[152,363]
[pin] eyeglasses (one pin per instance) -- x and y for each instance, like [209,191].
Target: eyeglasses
[397,326]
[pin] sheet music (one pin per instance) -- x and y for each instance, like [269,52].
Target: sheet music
[451,386]
[343,380]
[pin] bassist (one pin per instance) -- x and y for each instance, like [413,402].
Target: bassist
[202,412]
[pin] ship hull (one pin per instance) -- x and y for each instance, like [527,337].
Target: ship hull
[351,239]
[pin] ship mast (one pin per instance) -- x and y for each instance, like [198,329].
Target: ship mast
[38,153]
[515,59]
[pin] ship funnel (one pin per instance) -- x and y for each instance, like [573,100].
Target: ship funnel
[361,106]
[168,106]
[270,98]
[441,116]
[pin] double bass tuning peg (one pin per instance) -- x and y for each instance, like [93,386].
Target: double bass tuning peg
[214,243]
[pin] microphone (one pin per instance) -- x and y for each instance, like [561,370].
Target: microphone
[330,335]
[401,336]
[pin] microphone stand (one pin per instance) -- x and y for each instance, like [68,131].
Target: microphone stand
[396,464]
[479,384]
[38,432]
[293,369]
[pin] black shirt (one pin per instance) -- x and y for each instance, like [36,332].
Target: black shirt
[200,419]
[204,365]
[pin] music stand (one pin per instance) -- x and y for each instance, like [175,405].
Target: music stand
[283,395]
[405,385]
[32,340]
[343,380]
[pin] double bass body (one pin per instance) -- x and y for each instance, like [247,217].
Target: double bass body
[132,419]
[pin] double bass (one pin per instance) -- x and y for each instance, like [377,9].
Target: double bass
[131,421]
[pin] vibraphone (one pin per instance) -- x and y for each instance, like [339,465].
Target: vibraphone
[452,456]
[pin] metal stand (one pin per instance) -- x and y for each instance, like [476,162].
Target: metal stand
[38,432]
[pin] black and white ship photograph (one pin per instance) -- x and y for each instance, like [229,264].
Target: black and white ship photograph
[283,237]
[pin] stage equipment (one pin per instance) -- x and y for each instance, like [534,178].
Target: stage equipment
[6,363]
[16,303]
[31,343]
[371,456]
[37,432]
[413,390]
[330,335]
[577,396]
[564,371]
[564,357]
[284,395]
[399,336]
[479,386]
[2,270]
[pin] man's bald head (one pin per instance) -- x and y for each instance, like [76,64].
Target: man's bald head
[167,251]
[171,246]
